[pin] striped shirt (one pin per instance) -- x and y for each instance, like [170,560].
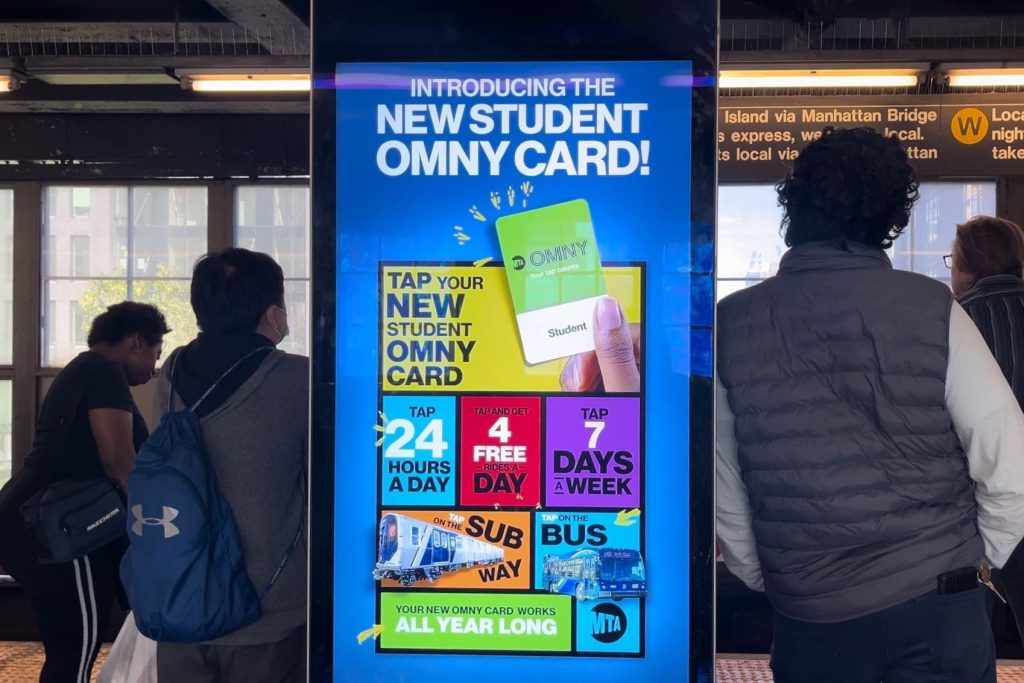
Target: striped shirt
[996,305]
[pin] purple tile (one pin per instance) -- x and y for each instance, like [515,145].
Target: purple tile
[592,456]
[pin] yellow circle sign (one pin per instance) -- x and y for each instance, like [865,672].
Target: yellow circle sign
[969,126]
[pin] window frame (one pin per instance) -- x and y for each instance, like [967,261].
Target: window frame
[1000,201]
[130,278]
[26,371]
[7,371]
[232,189]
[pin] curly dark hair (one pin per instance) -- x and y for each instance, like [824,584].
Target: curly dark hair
[851,184]
[127,318]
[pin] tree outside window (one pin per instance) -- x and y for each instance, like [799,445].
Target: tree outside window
[135,243]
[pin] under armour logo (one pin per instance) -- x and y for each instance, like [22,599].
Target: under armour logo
[170,513]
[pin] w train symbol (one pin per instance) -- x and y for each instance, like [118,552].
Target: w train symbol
[969,126]
[170,530]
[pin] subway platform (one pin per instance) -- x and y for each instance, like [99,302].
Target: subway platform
[754,669]
[20,662]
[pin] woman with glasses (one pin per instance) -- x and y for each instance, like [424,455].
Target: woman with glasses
[987,265]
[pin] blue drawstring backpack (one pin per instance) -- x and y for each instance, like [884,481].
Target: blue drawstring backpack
[184,573]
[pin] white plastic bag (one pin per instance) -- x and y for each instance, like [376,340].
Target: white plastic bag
[132,657]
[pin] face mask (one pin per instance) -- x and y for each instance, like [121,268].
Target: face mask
[281,333]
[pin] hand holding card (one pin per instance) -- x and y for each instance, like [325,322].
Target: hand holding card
[614,365]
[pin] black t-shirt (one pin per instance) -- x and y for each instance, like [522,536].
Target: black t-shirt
[88,382]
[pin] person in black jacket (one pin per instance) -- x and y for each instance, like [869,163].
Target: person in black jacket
[987,265]
[71,601]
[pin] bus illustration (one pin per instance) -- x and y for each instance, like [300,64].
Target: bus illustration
[409,550]
[592,573]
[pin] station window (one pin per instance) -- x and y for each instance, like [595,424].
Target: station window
[6,326]
[80,255]
[750,242]
[80,201]
[140,244]
[6,280]
[5,430]
[275,219]
[78,324]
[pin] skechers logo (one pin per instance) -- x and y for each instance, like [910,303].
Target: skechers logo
[170,530]
[105,518]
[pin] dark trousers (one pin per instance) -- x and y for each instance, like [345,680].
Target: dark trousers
[1010,582]
[930,639]
[280,662]
[71,601]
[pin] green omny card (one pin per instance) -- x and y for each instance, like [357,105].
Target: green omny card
[555,277]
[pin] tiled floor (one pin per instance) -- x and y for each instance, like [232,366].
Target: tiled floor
[19,663]
[750,669]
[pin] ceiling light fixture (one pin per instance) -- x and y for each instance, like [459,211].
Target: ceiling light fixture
[262,81]
[818,78]
[981,78]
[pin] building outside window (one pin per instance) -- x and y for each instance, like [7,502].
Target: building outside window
[135,243]
[750,246]
[80,202]
[275,220]
[6,327]
[80,255]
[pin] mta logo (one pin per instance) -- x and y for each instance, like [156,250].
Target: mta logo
[170,530]
[609,623]
[518,262]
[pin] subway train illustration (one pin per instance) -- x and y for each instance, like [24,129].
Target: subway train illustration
[593,573]
[409,550]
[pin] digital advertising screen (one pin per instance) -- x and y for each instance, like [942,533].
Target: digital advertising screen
[519,324]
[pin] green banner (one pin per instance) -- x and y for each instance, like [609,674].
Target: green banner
[475,621]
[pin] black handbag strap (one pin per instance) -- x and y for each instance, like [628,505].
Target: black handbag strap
[64,426]
[68,423]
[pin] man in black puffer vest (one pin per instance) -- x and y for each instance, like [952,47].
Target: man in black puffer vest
[869,448]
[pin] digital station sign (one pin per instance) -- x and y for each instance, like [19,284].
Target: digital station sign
[517,395]
[953,135]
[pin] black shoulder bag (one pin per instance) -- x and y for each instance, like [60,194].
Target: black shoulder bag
[71,518]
